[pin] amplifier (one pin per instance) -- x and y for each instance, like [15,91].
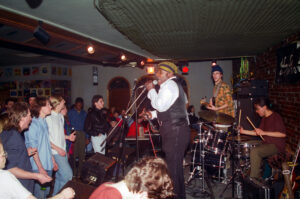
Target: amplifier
[95,170]
[253,189]
[253,89]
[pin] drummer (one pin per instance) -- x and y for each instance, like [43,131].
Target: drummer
[222,95]
[271,129]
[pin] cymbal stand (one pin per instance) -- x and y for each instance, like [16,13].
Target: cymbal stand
[235,172]
[197,170]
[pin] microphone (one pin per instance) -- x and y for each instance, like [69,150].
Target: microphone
[134,84]
[154,82]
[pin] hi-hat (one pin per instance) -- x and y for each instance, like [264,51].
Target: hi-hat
[213,116]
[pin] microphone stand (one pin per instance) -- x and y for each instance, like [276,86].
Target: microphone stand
[122,139]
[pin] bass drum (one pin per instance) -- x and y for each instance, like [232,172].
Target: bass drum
[213,163]
[216,141]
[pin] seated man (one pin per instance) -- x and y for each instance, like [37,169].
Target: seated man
[271,130]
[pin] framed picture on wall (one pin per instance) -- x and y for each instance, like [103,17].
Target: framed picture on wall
[65,71]
[20,93]
[17,72]
[59,71]
[288,64]
[45,70]
[35,70]
[47,92]
[8,72]
[26,71]
[53,70]
[13,93]
[40,92]
[33,91]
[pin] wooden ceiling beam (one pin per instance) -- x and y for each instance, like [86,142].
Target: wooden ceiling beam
[26,23]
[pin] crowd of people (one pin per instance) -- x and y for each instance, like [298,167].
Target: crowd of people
[44,141]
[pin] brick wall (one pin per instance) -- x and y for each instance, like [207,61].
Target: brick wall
[285,97]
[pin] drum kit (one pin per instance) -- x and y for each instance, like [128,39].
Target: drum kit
[218,144]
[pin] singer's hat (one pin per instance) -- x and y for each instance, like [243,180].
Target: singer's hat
[168,66]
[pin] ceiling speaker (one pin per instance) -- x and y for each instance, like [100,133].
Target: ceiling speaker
[41,35]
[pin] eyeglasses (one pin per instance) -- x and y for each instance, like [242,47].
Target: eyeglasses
[4,154]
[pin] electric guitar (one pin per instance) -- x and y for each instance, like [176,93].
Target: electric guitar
[290,184]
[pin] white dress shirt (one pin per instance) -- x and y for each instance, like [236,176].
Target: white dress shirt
[55,123]
[166,96]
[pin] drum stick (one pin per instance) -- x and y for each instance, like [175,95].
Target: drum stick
[239,135]
[240,117]
[254,127]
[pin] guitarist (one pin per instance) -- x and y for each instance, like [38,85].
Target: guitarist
[272,130]
[222,95]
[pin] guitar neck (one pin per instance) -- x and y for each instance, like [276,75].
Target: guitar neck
[295,159]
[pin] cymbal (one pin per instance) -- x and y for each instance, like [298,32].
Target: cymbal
[213,116]
[208,115]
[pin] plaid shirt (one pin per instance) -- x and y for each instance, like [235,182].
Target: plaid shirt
[224,97]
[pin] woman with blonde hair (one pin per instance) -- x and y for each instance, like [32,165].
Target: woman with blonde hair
[58,138]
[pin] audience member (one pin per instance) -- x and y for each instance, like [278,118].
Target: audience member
[76,118]
[32,99]
[68,131]
[18,161]
[12,188]
[148,179]
[37,136]
[9,102]
[96,124]
[58,138]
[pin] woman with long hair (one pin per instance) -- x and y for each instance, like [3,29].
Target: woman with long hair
[58,138]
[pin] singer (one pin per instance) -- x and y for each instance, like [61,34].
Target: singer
[170,104]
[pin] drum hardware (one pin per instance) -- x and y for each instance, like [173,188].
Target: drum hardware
[200,168]
[236,173]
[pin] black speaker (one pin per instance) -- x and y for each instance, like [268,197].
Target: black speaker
[253,89]
[246,93]
[41,35]
[96,169]
[246,106]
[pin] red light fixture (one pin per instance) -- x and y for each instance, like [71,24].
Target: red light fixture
[185,69]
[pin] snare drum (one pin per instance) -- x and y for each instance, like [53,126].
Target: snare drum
[246,147]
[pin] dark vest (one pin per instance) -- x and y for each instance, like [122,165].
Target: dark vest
[177,112]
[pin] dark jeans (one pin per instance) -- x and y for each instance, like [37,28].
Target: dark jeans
[175,139]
